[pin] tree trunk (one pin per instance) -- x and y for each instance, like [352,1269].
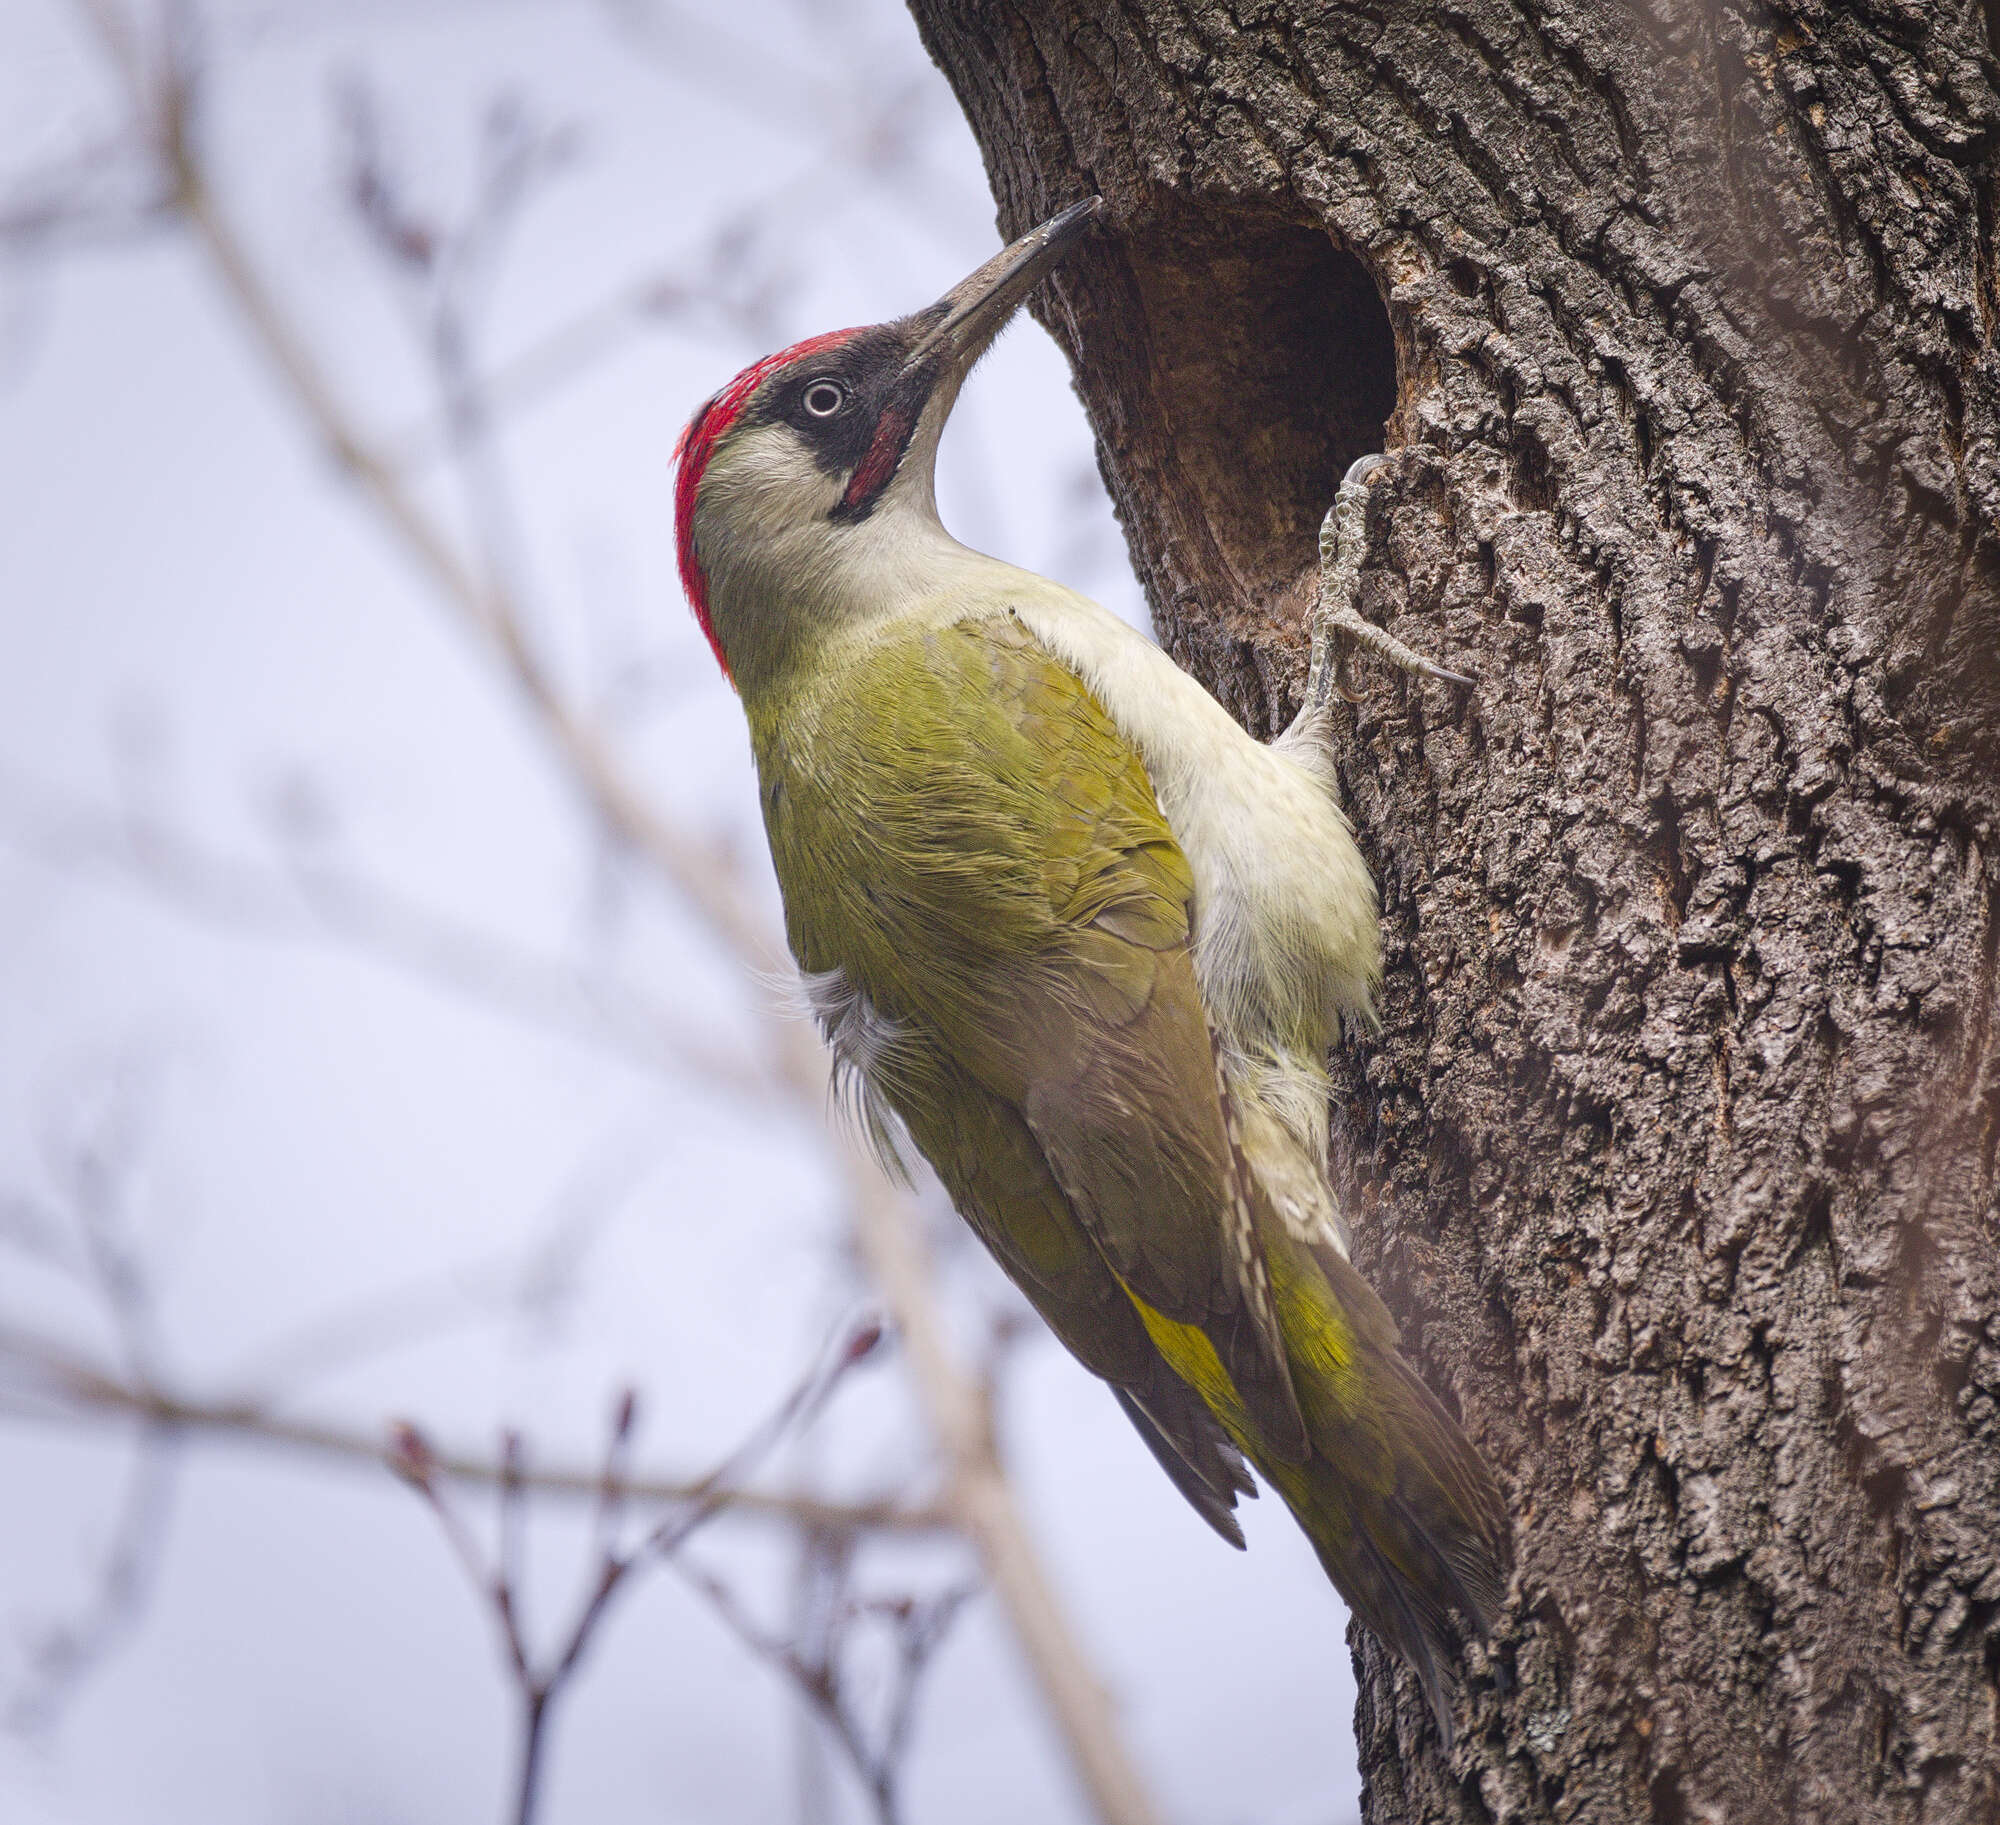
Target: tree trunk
[1676,1154]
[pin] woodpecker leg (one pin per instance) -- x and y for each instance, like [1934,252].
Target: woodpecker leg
[1337,622]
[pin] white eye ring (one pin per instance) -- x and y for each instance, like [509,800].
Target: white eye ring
[824,398]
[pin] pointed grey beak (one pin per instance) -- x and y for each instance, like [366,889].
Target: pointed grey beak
[973,312]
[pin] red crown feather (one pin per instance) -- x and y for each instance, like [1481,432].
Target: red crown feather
[705,430]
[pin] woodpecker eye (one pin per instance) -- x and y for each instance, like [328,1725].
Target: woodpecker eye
[824,398]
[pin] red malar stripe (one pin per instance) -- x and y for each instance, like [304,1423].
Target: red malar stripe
[884,453]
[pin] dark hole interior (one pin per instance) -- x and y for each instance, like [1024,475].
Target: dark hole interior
[1275,365]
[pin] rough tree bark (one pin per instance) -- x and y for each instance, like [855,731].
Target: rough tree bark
[1676,1156]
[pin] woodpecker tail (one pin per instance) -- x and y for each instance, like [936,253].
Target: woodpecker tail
[1399,1505]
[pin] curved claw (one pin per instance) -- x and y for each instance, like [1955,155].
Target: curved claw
[1342,542]
[1361,468]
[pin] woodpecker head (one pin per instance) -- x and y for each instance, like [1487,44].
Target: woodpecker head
[806,488]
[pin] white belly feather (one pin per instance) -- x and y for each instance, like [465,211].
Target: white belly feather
[1286,938]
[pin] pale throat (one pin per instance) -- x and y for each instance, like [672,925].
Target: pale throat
[782,592]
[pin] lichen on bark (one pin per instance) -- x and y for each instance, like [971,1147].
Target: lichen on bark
[1677,1153]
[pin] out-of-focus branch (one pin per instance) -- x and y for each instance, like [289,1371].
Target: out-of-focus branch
[315,899]
[812,1658]
[63,1654]
[692,868]
[521,1283]
[55,1384]
[540,1680]
[976,1488]
[79,202]
[720,286]
[93,1161]
[867,126]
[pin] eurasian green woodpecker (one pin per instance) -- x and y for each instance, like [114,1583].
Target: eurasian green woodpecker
[1085,943]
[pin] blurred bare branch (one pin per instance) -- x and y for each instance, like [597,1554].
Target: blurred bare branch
[92,1148]
[798,1407]
[44,1379]
[30,1229]
[103,192]
[866,126]
[979,1494]
[814,1659]
[754,76]
[530,1282]
[312,897]
[92,1152]
[285,20]
[448,273]
[63,1654]
[539,1681]
[735,283]
[92,1157]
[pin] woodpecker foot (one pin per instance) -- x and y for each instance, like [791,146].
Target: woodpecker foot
[1337,622]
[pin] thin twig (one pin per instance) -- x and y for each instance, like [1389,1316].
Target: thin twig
[740,306]
[539,1682]
[60,1386]
[74,202]
[812,1659]
[978,1493]
[798,1407]
[64,1653]
[313,899]
[94,1167]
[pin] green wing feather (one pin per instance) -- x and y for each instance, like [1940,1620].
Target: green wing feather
[995,1171]
[962,832]
[993,872]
